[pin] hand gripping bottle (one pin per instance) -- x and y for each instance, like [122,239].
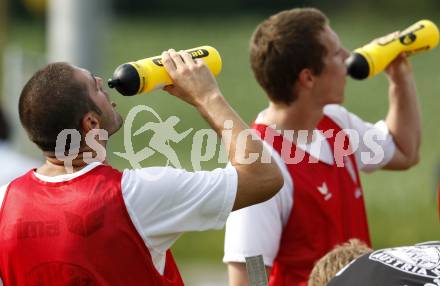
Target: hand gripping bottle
[374,57]
[149,74]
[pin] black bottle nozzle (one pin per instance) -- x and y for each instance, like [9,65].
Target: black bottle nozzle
[125,79]
[357,66]
[112,83]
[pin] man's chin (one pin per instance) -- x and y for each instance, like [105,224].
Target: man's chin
[119,124]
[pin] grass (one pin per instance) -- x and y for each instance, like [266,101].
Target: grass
[401,205]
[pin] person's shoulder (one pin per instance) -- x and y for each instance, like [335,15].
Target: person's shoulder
[152,173]
[157,178]
[334,109]
[337,113]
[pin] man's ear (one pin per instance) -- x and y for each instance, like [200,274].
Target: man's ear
[306,79]
[90,121]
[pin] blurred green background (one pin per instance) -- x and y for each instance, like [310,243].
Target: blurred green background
[401,206]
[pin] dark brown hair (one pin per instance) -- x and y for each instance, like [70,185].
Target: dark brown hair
[51,101]
[282,46]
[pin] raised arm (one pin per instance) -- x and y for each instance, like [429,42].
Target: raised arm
[403,118]
[195,84]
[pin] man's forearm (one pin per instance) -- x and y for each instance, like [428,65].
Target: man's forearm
[216,111]
[403,119]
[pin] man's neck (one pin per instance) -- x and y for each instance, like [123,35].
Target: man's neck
[54,167]
[300,115]
[293,117]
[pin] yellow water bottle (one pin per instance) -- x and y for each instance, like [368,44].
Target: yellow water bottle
[149,74]
[374,57]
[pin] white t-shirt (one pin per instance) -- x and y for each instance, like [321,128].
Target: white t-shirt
[256,230]
[164,202]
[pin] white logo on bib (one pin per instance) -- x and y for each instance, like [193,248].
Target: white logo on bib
[324,191]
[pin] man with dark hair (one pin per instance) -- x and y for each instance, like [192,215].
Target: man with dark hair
[96,225]
[300,63]
[51,102]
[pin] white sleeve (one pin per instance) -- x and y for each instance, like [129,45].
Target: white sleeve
[376,145]
[164,202]
[256,230]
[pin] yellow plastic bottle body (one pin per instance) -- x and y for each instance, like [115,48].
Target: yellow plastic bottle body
[422,36]
[153,75]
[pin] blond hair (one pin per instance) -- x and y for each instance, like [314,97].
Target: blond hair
[330,264]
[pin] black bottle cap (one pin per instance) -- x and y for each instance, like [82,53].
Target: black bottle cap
[126,80]
[357,66]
